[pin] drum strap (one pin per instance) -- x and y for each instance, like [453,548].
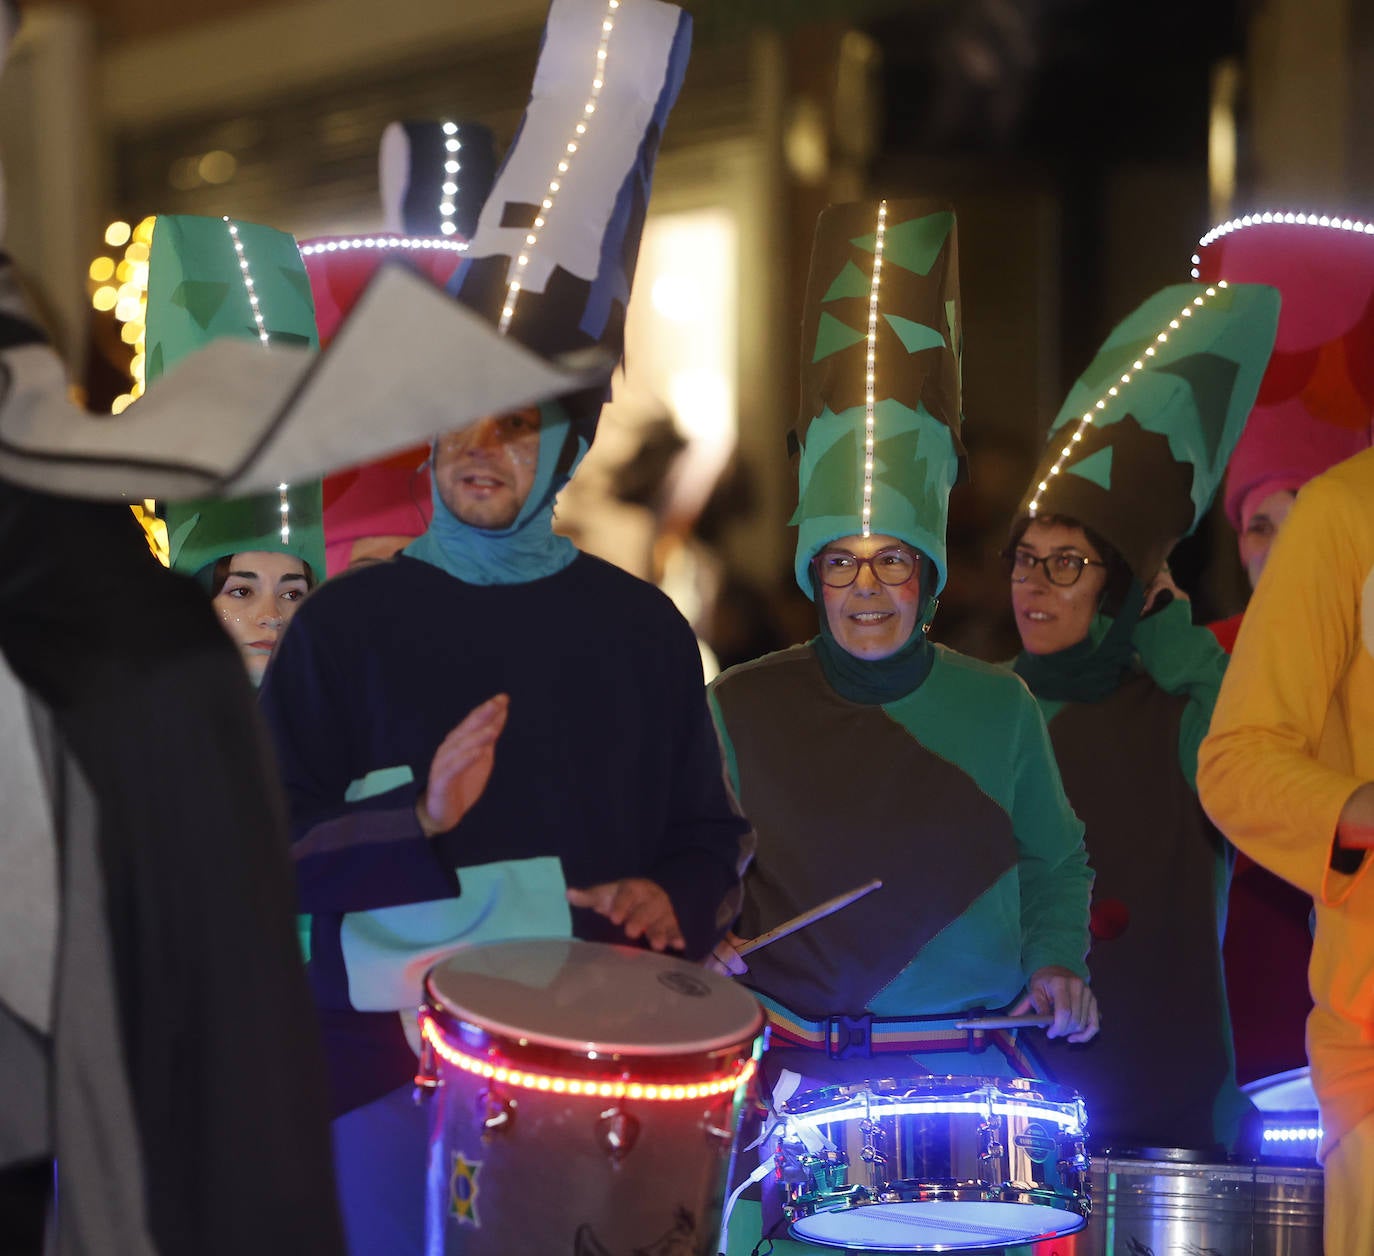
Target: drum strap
[845,1037]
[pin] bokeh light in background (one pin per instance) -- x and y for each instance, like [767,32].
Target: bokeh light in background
[121,287]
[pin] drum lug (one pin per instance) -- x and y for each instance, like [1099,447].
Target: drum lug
[427,1079]
[617,1132]
[872,1152]
[992,1157]
[496,1112]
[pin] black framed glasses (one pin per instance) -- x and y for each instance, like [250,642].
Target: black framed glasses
[838,569]
[1063,567]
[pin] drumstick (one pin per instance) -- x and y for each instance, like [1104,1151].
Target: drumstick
[827,908]
[1030,1019]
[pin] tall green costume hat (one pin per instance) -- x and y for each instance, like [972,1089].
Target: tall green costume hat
[207,278]
[1140,444]
[877,440]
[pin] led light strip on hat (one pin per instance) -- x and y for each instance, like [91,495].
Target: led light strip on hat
[553,1083]
[1291,219]
[284,504]
[871,376]
[384,242]
[514,285]
[452,145]
[1090,416]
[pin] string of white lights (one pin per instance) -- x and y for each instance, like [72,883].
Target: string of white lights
[1279,216]
[1090,416]
[871,374]
[247,279]
[383,242]
[285,504]
[452,146]
[515,282]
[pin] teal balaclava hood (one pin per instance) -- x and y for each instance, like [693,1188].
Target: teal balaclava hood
[213,277]
[528,549]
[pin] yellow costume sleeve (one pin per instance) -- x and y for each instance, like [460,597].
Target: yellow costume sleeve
[1286,748]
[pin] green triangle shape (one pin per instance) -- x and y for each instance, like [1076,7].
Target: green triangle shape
[913,245]
[832,336]
[832,488]
[287,337]
[200,298]
[153,367]
[915,336]
[850,282]
[1213,380]
[1096,468]
[300,281]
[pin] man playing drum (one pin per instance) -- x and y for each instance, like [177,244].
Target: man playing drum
[607,775]
[870,751]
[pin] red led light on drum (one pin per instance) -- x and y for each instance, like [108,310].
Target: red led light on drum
[661,1091]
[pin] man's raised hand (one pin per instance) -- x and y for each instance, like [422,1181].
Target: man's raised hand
[461,767]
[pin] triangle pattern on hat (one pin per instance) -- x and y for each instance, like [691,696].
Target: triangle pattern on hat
[850,282]
[200,298]
[915,336]
[833,336]
[1212,379]
[1095,468]
[913,245]
[833,483]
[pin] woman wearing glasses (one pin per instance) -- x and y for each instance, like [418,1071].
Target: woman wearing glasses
[869,752]
[1127,684]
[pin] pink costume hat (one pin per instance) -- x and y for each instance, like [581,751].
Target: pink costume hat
[1316,402]
[435,178]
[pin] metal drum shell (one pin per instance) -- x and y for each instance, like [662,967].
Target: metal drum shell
[1241,1209]
[927,1140]
[529,1156]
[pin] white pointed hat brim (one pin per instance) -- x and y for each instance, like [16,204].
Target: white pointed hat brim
[236,417]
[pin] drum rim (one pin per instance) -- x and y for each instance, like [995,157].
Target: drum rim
[454,1019]
[589,1060]
[1080,1208]
[1052,1094]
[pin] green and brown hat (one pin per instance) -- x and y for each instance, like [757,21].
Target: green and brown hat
[877,440]
[213,277]
[1140,444]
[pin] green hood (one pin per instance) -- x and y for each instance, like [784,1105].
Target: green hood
[884,283]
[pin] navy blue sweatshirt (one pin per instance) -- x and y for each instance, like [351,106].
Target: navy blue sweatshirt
[608,760]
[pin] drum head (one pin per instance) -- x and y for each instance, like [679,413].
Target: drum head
[592,998]
[936,1226]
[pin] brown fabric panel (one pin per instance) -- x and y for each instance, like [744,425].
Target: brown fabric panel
[839,793]
[1153,1074]
[838,381]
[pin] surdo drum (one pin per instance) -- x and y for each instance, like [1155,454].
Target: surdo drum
[585,1099]
[936,1163]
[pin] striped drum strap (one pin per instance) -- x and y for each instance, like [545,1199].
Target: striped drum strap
[856,1037]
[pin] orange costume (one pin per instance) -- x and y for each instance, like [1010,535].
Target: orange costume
[1292,738]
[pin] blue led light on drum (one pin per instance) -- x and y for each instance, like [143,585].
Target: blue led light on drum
[1071,1122]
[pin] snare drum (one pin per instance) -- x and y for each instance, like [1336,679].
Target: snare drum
[585,1099]
[937,1163]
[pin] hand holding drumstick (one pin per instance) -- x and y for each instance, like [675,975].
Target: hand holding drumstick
[728,956]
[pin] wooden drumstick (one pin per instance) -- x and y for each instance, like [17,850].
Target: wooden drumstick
[1028,1020]
[827,908]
